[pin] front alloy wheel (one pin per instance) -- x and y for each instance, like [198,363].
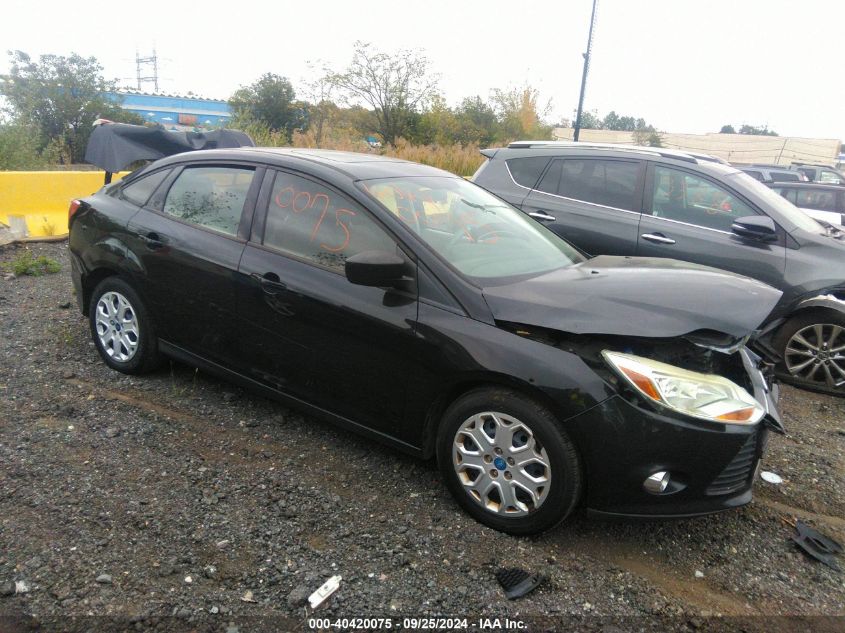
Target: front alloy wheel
[508,461]
[501,464]
[816,353]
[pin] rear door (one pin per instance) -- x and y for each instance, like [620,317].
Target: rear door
[592,202]
[688,216]
[310,332]
[188,242]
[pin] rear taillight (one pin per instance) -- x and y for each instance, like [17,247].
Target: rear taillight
[74,207]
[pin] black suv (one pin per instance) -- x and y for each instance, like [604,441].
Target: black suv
[823,202]
[653,202]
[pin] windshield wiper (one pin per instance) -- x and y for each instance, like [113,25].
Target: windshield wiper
[483,207]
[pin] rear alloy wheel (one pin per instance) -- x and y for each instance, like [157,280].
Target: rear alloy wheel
[507,461]
[121,329]
[813,349]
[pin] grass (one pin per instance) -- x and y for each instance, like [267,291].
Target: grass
[28,264]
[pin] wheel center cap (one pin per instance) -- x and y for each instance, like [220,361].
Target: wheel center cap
[499,463]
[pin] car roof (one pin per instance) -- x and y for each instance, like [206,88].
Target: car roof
[808,185]
[357,166]
[689,157]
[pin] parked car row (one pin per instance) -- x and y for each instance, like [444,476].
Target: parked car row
[651,202]
[413,306]
[796,172]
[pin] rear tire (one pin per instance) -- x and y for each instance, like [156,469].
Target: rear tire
[812,346]
[508,462]
[122,330]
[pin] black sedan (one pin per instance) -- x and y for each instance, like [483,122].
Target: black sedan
[412,306]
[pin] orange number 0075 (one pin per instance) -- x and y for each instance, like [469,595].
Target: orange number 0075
[299,201]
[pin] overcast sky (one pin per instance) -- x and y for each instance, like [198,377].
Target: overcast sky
[683,65]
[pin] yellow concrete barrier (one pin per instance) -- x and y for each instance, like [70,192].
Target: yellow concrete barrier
[41,198]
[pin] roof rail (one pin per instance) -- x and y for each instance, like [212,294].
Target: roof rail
[690,157]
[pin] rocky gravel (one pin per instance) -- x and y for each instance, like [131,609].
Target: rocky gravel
[176,501]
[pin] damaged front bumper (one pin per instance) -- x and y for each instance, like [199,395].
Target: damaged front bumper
[710,466]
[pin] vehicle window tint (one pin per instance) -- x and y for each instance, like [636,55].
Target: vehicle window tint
[809,173]
[785,176]
[212,197]
[789,194]
[756,175]
[610,183]
[308,220]
[816,199]
[140,191]
[830,176]
[686,198]
[526,171]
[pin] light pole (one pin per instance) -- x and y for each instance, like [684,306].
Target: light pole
[584,74]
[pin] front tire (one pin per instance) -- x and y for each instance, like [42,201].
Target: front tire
[121,328]
[812,346]
[508,462]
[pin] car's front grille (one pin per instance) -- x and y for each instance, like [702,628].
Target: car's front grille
[737,473]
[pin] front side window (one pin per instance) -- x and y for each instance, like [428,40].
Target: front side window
[139,192]
[816,199]
[830,177]
[477,233]
[687,198]
[212,197]
[756,175]
[789,194]
[310,221]
[610,183]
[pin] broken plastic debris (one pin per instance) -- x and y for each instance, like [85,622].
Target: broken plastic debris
[817,545]
[21,586]
[772,478]
[329,587]
[517,582]
[247,597]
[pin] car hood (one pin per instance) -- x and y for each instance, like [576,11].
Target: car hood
[635,296]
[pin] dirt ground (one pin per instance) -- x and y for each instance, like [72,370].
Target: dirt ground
[176,501]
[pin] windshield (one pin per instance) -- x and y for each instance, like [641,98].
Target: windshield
[478,234]
[781,204]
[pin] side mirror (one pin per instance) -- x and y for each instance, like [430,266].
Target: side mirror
[375,268]
[755,227]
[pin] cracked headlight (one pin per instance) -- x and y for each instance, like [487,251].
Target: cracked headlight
[704,396]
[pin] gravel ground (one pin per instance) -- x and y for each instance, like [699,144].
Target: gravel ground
[176,501]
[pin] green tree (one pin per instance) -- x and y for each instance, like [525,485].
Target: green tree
[759,131]
[393,86]
[477,122]
[591,121]
[438,124]
[269,102]
[19,147]
[520,113]
[61,97]
[727,129]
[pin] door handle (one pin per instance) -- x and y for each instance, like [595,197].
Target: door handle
[152,240]
[269,282]
[542,216]
[659,238]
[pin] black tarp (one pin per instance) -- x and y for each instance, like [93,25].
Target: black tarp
[115,146]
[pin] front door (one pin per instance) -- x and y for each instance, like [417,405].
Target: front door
[307,330]
[689,217]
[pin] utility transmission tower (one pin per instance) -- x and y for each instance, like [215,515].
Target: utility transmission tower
[152,60]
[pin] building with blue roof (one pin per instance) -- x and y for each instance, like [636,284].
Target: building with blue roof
[176,112]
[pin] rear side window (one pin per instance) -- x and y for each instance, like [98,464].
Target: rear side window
[610,183]
[785,176]
[682,197]
[816,199]
[212,197]
[526,171]
[809,173]
[789,194]
[313,222]
[139,192]
[756,175]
